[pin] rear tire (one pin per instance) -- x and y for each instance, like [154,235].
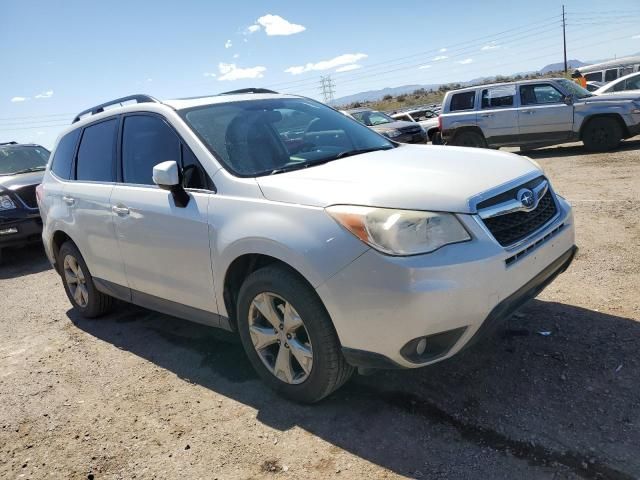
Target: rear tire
[436,138]
[469,138]
[602,134]
[78,283]
[285,296]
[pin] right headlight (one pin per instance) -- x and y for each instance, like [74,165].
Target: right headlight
[400,232]
[6,203]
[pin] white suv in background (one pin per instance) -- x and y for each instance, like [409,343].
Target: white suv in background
[325,245]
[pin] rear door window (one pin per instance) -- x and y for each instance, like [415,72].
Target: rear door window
[499,97]
[96,154]
[63,156]
[462,101]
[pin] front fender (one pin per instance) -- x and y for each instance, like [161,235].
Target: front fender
[305,238]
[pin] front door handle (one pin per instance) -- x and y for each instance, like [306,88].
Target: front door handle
[68,200]
[120,210]
[487,115]
[528,112]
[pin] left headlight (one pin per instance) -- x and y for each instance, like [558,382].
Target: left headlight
[400,232]
[6,203]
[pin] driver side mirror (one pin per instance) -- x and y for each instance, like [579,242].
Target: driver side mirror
[167,176]
[568,99]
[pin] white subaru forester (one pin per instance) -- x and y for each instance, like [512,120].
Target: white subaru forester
[325,245]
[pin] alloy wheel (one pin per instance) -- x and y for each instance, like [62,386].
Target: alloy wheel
[76,281]
[280,338]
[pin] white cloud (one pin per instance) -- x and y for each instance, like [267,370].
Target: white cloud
[424,67]
[149,80]
[491,46]
[345,59]
[19,99]
[466,61]
[636,37]
[440,57]
[442,50]
[253,28]
[209,74]
[229,71]
[236,55]
[348,68]
[276,25]
[228,44]
[47,94]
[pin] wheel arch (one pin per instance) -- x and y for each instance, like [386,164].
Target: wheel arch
[615,116]
[239,269]
[58,238]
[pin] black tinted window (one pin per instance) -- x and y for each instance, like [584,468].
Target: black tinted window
[96,153]
[63,156]
[462,101]
[593,77]
[146,141]
[610,75]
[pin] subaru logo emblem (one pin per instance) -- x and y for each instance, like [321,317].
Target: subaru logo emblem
[526,197]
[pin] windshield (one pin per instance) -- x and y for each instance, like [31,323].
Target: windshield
[574,89]
[371,118]
[20,159]
[262,137]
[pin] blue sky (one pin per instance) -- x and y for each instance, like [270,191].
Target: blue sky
[60,57]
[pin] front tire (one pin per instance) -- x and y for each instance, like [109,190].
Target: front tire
[78,284]
[602,134]
[469,138]
[288,335]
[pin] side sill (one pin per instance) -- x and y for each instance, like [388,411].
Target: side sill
[162,305]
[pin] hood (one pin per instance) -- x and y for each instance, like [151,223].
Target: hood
[412,177]
[612,97]
[14,182]
[397,125]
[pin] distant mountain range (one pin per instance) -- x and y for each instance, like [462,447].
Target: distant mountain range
[372,95]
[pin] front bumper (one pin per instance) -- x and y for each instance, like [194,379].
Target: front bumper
[18,228]
[379,304]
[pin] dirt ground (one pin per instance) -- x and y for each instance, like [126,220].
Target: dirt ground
[142,395]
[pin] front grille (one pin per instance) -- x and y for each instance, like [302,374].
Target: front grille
[512,227]
[28,195]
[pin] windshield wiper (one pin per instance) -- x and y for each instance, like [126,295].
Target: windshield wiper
[300,166]
[29,170]
[346,153]
[350,153]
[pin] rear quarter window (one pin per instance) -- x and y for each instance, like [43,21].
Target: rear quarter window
[63,156]
[462,101]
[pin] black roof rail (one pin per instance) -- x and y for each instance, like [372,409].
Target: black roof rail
[248,90]
[9,143]
[140,98]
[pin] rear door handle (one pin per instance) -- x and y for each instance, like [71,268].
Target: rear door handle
[120,210]
[528,112]
[486,115]
[68,200]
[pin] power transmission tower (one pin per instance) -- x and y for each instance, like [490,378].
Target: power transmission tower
[327,88]
[564,39]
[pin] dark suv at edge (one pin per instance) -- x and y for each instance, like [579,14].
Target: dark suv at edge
[21,170]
